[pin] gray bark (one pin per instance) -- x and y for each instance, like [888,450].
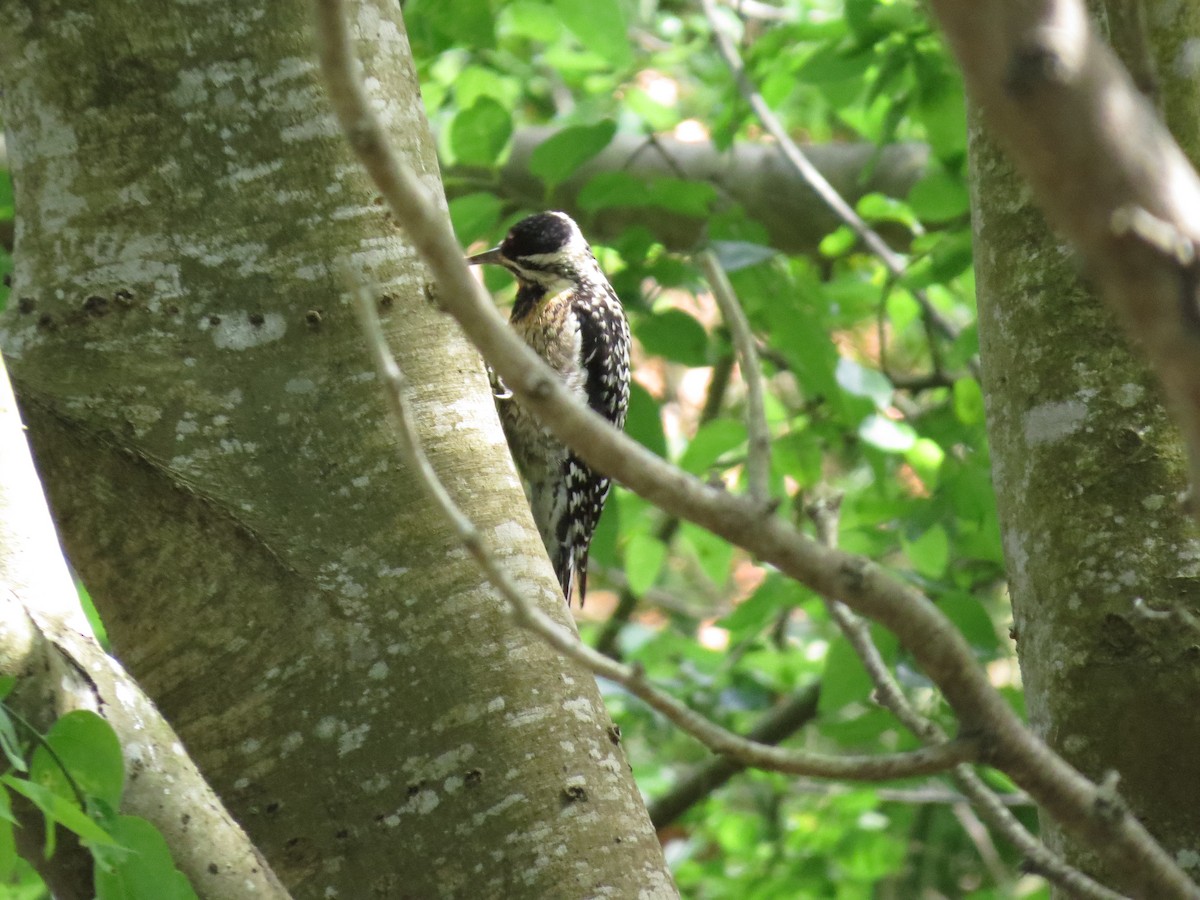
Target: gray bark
[218,457]
[46,642]
[1088,469]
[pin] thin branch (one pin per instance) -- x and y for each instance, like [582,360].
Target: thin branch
[932,794]
[824,514]
[720,740]
[940,649]
[806,170]
[758,458]
[782,721]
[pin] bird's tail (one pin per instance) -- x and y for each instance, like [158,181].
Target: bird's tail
[571,568]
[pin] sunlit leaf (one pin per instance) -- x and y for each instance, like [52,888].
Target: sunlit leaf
[475,216]
[479,134]
[674,335]
[644,556]
[968,401]
[711,441]
[600,26]
[930,552]
[146,872]
[860,381]
[559,156]
[887,435]
[58,809]
[88,748]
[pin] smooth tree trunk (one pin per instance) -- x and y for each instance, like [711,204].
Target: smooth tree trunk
[218,456]
[47,644]
[1103,560]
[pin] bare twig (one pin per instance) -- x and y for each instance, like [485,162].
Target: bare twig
[758,458]
[931,794]
[783,720]
[933,640]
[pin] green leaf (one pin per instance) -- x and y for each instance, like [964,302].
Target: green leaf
[714,554]
[942,110]
[479,134]
[751,616]
[10,743]
[533,20]
[558,157]
[6,813]
[643,423]
[881,208]
[950,257]
[475,216]
[734,255]
[606,190]
[145,873]
[93,615]
[674,335]
[863,382]
[969,615]
[8,843]
[939,197]
[886,435]
[926,457]
[798,455]
[711,441]
[463,23]
[845,680]
[831,63]
[91,752]
[599,25]
[687,198]
[838,242]
[644,556]
[60,810]
[968,401]
[7,683]
[930,552]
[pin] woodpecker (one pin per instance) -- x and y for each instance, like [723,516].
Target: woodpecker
[572,318]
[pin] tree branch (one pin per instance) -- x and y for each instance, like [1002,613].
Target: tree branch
[1103,167]
[940,649]
[753,176]
[720,740]
[758,457]
[783,720]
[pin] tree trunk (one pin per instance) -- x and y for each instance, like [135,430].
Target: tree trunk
[1088,470]
[217,453]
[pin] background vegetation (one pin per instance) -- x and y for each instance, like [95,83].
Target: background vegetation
[873,395]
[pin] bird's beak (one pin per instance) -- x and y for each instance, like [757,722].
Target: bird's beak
[487,257]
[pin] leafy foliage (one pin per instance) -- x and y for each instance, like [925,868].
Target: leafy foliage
[75,775]
[870,391]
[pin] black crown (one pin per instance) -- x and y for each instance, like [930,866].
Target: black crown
[546,232]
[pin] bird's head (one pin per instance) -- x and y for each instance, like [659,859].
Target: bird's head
[546,250]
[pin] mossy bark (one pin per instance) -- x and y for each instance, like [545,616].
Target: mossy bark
[1088,471]
[218,456]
